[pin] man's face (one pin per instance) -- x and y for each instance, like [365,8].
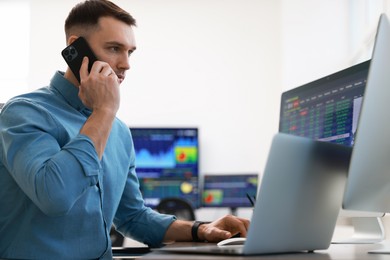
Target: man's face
[113,42]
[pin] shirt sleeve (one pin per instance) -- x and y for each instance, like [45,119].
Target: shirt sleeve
[134,219]
[52,168]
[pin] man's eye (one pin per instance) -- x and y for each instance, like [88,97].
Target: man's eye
[114,49]
[129,53]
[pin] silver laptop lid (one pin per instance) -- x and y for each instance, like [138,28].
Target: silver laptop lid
[300,196]
[298,200]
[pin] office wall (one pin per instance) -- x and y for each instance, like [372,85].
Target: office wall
[211,64]
[315,41]
[322,37]
[220,65]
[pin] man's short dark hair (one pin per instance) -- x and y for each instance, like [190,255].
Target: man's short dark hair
[87,14]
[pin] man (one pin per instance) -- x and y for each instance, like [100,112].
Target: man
[67,163]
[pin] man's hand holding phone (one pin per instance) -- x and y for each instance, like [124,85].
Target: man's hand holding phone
[99,91]
[99,88]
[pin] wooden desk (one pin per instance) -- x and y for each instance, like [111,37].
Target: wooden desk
[335,252]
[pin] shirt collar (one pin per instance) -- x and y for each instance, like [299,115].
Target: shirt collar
[68,91]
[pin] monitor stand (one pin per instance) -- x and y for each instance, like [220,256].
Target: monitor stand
[233,211]
[367,230]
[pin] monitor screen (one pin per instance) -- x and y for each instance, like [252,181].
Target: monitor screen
[229,190]
[167,163]
[326,109]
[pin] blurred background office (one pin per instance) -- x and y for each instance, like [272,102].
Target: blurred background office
[218,65]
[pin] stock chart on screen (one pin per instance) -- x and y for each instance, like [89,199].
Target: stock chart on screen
[229,190]
[167,163]
[326,109]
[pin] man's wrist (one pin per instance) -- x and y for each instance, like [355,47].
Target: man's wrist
[195,229]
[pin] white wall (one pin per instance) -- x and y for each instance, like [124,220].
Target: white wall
[212,64]
[14,46]
[220,65]
[315,39]
[322,37]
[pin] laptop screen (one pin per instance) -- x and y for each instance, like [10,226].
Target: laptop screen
[326,109]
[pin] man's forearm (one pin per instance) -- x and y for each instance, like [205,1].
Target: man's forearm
[97,128]
[180,231]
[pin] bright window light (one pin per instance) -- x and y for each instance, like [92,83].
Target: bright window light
[15,47]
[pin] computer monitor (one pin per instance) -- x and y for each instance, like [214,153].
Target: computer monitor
[167,163]
[229,190]
[368,184]
[328,109]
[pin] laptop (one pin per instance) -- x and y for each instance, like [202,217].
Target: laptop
[298,200]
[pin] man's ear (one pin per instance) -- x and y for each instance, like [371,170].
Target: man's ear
[72,38]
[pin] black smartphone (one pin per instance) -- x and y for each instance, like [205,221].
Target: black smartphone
[74,54]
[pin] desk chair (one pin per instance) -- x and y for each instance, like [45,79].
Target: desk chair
[178,207]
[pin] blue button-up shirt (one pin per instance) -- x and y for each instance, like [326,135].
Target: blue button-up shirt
[57,199]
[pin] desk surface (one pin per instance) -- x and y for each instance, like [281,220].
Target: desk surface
[335,252]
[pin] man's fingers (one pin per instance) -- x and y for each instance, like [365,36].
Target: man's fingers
[243,227]
[107,71]
[215,234]
[225,228]
[84,68]
[100,67]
